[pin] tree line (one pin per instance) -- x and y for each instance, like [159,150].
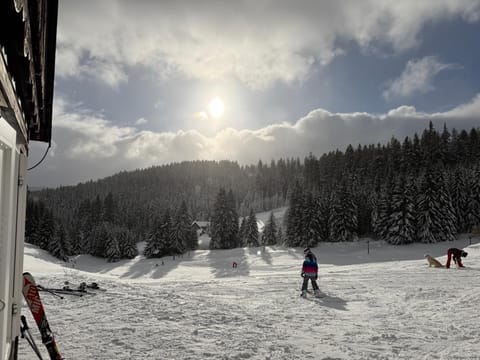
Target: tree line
[421,190]
[424,189]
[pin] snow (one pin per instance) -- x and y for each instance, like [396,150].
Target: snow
[385,304]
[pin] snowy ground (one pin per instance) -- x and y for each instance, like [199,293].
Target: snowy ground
[387,304]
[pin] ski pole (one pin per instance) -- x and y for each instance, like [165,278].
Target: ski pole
[25,330]
[41,288]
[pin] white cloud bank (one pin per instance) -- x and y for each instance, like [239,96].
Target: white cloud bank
[417,77]
[257,42]
[89,146]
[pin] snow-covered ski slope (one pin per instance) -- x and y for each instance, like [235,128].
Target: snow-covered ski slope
[384,305]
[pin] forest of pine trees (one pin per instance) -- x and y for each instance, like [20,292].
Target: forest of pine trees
[423,189]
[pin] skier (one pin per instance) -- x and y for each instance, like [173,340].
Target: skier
[457,257]
[309,272]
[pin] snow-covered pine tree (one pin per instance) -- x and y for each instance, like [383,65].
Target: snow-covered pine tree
[473,199]
[269,236]
[343,216]
[60,245]
[324,202]
[43,234]
[181,229]
[112,249]
[382,210]
[220,223]
[448,223]
[430,142]
[445,145]
[402,217]
[153,243]
[127,244]
[233,221]
[96,211]
[109,208]
[294,216]
[83,228]
[458,193]
[436,218]
[311,222]
[99,239]
[166,235]
[427,210]
[417,161]
[241,232]
[251,231]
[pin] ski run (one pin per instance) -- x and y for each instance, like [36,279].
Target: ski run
[381,302]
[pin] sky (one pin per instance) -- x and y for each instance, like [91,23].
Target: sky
[145,83]
[382,304]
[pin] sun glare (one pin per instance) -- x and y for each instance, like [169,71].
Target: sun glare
[216,107]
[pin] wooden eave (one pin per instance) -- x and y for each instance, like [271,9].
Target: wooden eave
[28,30]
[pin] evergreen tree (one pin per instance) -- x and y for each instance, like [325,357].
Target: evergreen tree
[159,241]
[473,199]
[294,216]
[220,222]
[60,246]
[153,244]
[127,244]
[383,210]
[233,241]
[311,222]
[112,248]
[251,233]
[324,216]
[224,224]
[109,208]
[269,236]
[402,217]
[436,218]
[343,216]
[100,237]
[46,229]
[242,231]
[458,192]
[166,235]
[182,230]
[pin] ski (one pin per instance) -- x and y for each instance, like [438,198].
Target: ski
[56,292]
[32,297]
[84,287]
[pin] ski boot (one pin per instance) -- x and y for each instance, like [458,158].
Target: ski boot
[317,293]
[304,293]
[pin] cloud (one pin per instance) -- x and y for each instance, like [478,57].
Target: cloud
[141,121]
[417,77]
[258,43]
[89,146]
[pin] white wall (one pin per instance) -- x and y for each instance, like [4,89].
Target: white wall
[12,218]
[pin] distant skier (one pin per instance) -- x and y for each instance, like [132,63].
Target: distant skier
[457,255]
[310,272]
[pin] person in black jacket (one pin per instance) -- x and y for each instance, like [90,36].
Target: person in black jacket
[457,255]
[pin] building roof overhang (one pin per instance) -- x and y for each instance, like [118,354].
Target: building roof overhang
[28,31]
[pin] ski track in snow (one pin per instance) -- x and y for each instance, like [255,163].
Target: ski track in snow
[200,308]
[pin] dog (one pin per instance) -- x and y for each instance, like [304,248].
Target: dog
[433,262]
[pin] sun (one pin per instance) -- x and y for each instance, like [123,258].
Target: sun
[216,107]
